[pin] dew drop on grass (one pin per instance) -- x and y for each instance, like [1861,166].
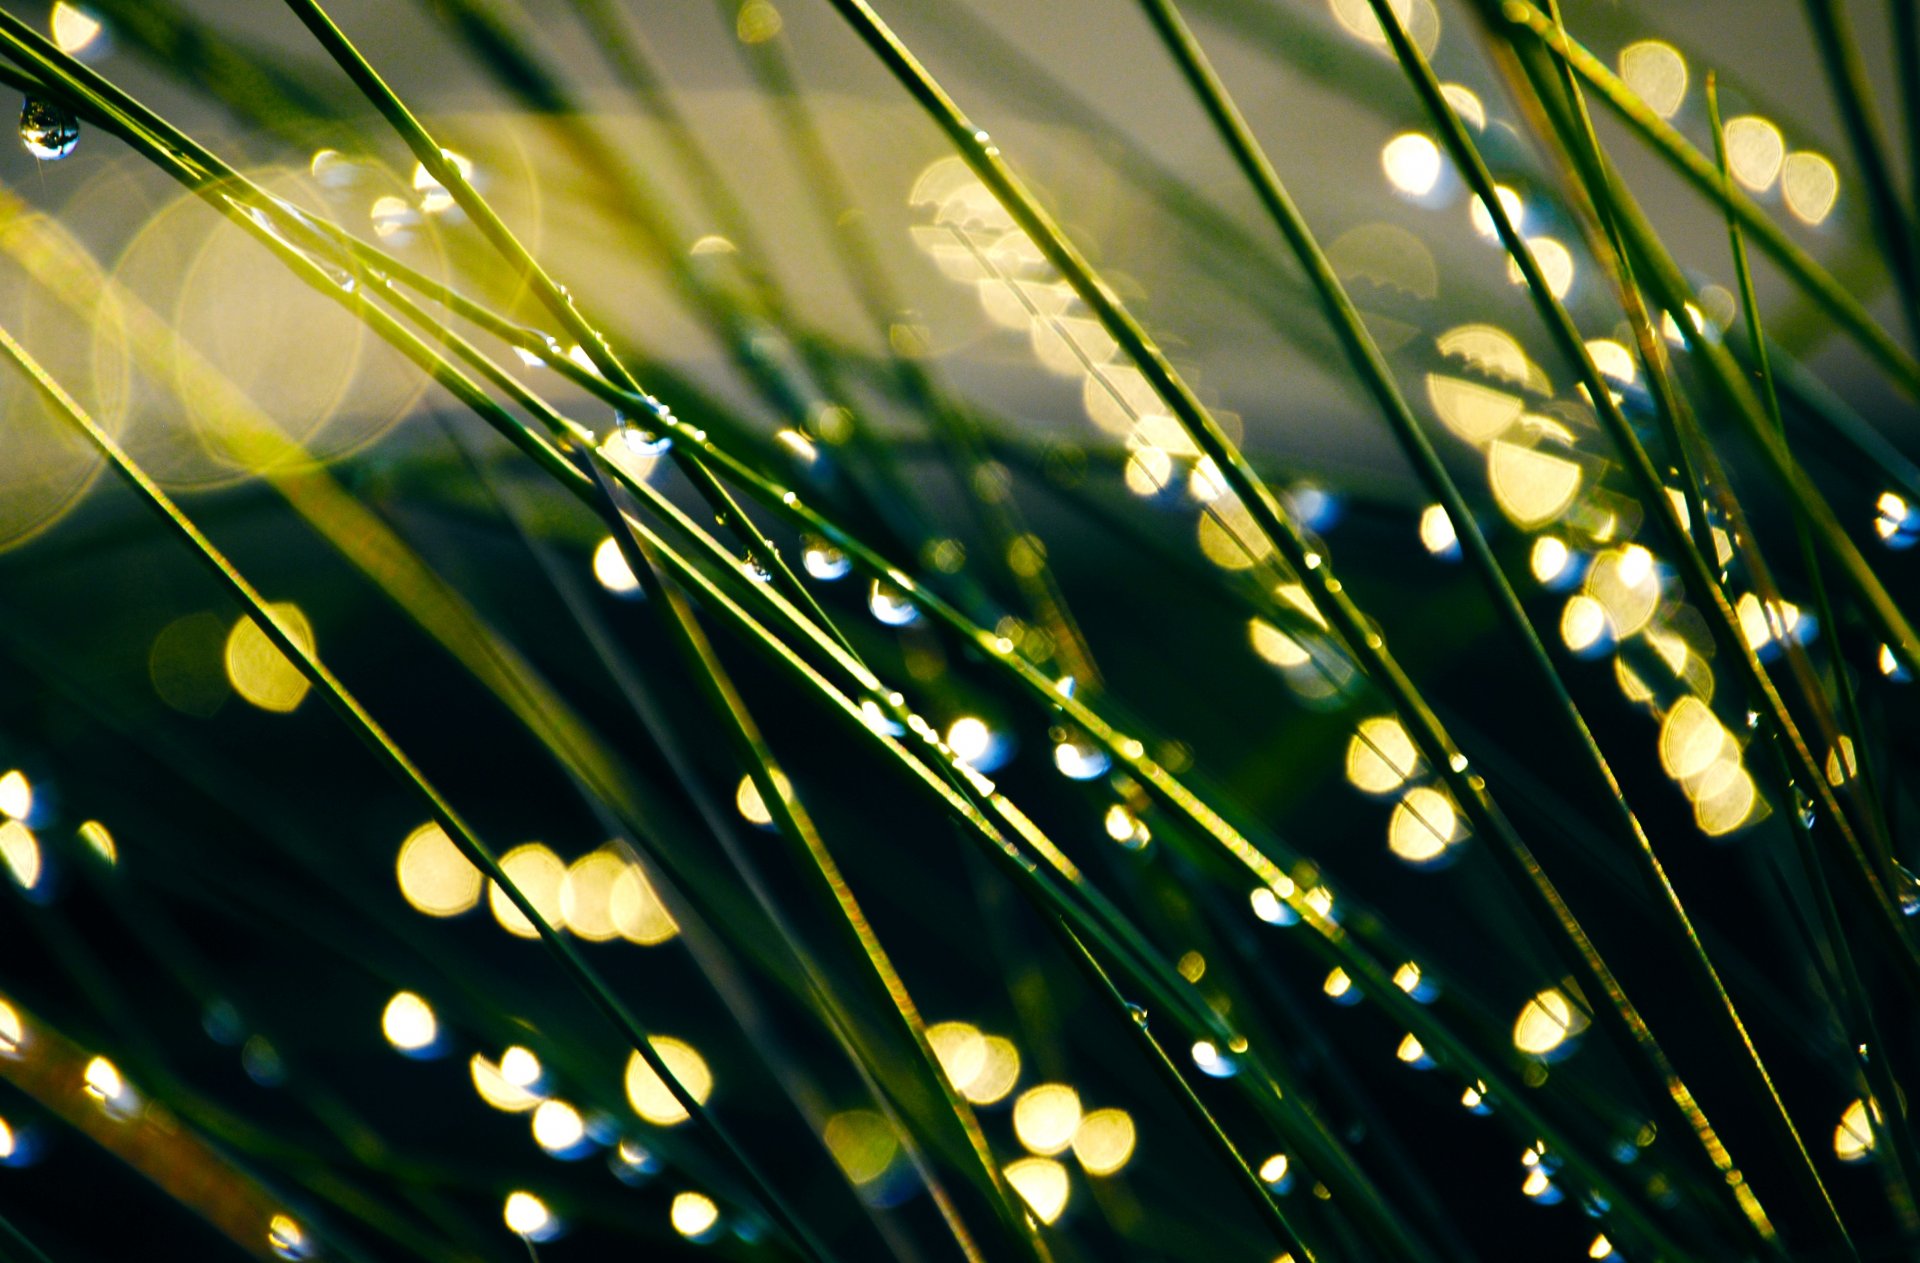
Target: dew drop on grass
[643,443]
[48,131]
[1804,808]
[890,605]
[1906,890]
[823,561]
[1080,760]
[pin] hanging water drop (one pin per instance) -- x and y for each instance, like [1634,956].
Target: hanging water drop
[48,131]
[823,561]
[1211,1061]
[1139,1014]
[1803,807]
[756,569]
[1906,889]
[642,443]
[341,278]
[890,605]
[1079,759]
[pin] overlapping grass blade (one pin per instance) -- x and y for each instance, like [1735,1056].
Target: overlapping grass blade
[1699,171]
[1372,369]
[370,732]
[1867,883]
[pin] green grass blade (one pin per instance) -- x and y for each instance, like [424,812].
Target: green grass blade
[1853,98]
[1699,171]
[364,726]
[570,474]
[1362,638]
[1469,162]
[1867,883]
[1682,431]
[1810,561]
[795,824]
[1372,369]
[551,294]
[1056,903]
[1890,1120]
[992,507]
[1255,1188]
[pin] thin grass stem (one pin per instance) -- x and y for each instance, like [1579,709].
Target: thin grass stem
[364,726]
[1867,883]
[1889,1121]
[1833,35]
[795,823]
[1372,369]
[558,300]
[1699,171]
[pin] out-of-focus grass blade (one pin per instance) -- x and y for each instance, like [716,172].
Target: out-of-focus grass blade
[1853,98]
[552,295]
[1699,171]
[1867,883]
[396,761]
[1890,1119]
[1372,369]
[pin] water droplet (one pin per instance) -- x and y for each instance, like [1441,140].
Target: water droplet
[1080,760]
[261,1060]
[1212,1062]
[223,1024]
[392,217]
[48,131]
[1906,889]
[890,605]
[632,1164]
[337,274]
[822,560]
[1804,808]
[875,717]
[1139,1014]
[756,569]
[642,443]
[257,215]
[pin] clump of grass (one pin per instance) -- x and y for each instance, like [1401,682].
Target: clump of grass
[1139,963]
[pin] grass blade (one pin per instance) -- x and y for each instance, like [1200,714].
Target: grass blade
[1371,368]
[784,805]
[389,754]
[1889,1120]
[551,294]
[1853,97]
[1699,171]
